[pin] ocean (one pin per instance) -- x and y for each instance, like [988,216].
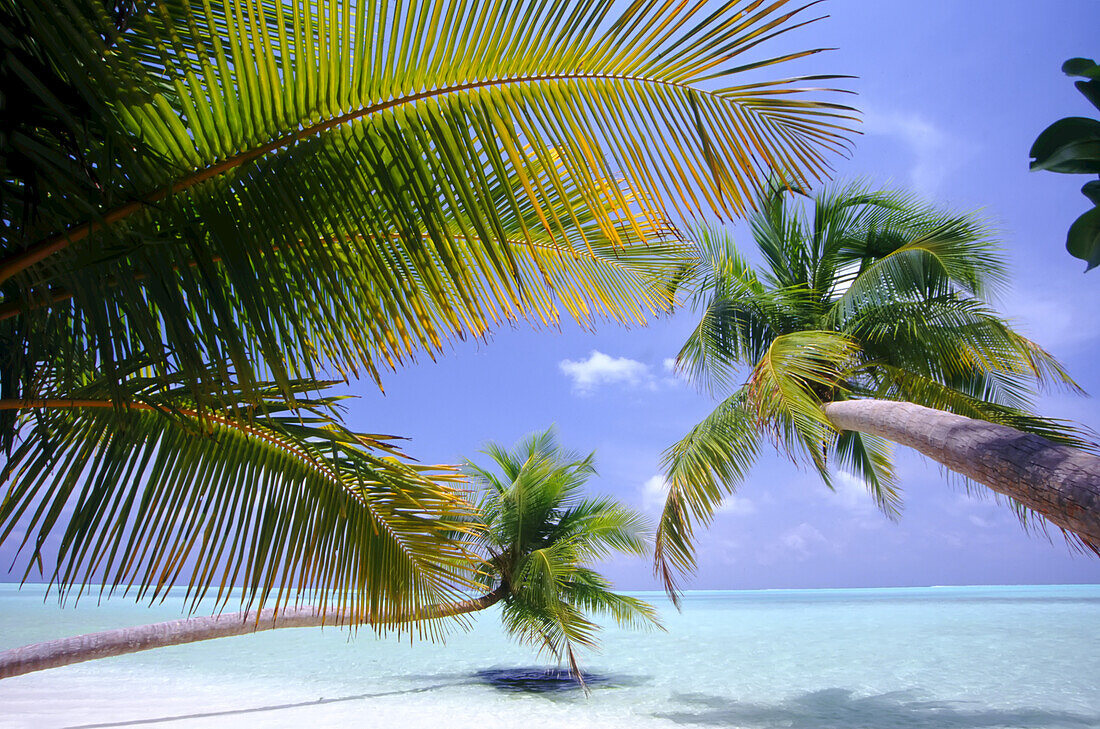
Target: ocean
[935,658]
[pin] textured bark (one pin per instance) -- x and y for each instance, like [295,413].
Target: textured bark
[1059,482]
[64,651]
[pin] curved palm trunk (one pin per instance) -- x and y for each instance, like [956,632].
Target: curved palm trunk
[1059,482]
[64,651]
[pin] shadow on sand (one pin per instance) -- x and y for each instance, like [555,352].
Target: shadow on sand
[838,708]
[531,680]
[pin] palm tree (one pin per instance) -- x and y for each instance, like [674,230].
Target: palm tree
[209,207]
[867,321]
[539,539]
[535,538]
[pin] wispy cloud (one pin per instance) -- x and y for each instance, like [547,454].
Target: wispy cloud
[803,541]
[654,491]
[1059,320]
[935,153]
[851,493]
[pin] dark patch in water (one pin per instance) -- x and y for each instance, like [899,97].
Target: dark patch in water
[839,708]
[538,680]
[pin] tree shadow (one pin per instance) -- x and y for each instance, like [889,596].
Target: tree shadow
[838,708]
[259,709]
[554,683]
[539,680]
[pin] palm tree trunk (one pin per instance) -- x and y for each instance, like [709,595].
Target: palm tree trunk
[64,651]
[1059,482]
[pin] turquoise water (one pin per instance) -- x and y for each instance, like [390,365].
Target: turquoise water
[954,658]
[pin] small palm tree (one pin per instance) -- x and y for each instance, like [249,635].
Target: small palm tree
[542,536]
[867,321]
[534,538]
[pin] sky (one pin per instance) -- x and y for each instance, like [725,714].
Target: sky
[952,94]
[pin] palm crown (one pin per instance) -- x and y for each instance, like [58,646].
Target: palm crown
[860,294]
[540,539]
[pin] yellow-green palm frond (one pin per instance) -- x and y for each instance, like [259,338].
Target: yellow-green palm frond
[286,504]
[437,156]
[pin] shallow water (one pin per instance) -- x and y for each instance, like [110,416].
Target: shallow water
[927,658]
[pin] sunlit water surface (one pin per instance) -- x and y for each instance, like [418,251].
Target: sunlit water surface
[935,658]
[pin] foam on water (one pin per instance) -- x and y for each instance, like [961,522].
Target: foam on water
[943,658]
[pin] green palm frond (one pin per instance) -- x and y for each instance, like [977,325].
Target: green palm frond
[591,592]
[937,252]
[739,315]
[426,161]
[285,503]
[709,462]
[960,342]
[869,459]
[798,372]
[598,528]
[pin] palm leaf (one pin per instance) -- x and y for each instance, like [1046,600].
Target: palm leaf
[288,505]
[709,462]
[440,129]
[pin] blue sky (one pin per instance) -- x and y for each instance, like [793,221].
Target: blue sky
[953,94]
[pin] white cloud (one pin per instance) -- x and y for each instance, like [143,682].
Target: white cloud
[935,153]
[601,369]
[669,364]
[654,491]
[851,493]
[737,506]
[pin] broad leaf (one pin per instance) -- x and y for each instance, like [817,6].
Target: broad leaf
[1070,145]
[1083,239]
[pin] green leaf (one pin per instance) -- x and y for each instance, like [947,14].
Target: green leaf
[1090,90]
[1081,67]
[1083,239]
[1091,190]
[1070,145]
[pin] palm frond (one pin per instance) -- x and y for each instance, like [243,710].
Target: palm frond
[709,462]
[936,250]
[540,535]
[398,152]
[592,593]
[869,458]
[790,382]
[287,504]
[739,315]
[860,294]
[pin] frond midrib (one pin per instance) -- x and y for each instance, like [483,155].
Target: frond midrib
[46,247]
